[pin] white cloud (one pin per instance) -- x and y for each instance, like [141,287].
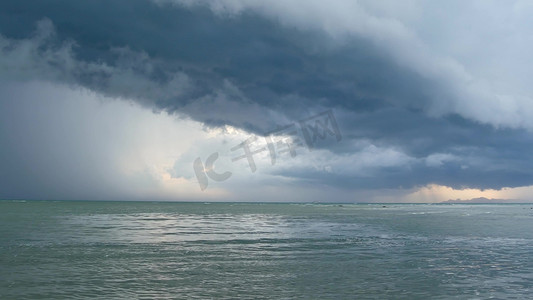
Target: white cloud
[365,160]
[438,159]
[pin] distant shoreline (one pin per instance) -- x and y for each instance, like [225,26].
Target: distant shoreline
[448,202]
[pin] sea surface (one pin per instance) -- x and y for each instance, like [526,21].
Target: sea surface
[153,250]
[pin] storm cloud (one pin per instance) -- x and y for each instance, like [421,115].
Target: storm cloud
[424,93]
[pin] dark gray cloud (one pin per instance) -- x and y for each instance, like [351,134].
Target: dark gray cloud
[256,67]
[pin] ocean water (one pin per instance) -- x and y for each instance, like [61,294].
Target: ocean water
[150,250]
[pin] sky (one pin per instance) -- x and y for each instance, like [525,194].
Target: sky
[249,100]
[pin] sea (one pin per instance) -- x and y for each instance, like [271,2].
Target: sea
[177,250]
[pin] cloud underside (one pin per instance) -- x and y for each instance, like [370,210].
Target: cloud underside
[418,101]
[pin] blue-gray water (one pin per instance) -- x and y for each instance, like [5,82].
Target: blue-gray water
[149,250]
